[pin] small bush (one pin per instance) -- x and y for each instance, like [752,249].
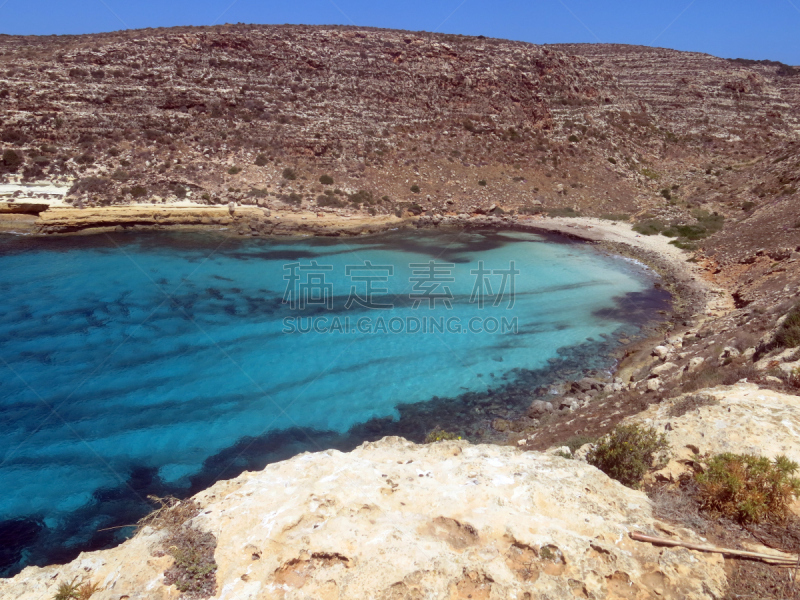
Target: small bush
[261,160]
[289,173]
[330,200]
[179,191]
[439,435]
[748,206]
[788,335]
[234,170]
[11,160]
[362,197]
[666,194]
[326,180]
[194,570]
[120,175]
[616,217]
[748,488]
[563,212]
[415,188]
[85,159]
[482,182]
[576,441]
[650,173]
[612,160]
[91,185]
[649,227]
[138,191]
[573,138]
[691,402]
[628,452]
[75,590]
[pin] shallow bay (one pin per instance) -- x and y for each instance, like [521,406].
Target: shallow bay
[160,363]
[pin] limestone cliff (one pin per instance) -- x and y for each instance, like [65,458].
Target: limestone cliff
[397,520]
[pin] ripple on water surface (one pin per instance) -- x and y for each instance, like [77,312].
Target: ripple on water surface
[160,363]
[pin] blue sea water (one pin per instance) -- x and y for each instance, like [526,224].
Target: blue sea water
[160,363]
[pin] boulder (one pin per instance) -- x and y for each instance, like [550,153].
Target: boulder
[728,352]
[695,363]
[586,384]
[661,369]
[539,408]
[661,352]
[653,385]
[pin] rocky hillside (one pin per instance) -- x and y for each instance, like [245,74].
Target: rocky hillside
[397,120]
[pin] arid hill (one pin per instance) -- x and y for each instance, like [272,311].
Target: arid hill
[399,122]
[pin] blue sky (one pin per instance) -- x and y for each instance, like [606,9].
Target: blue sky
[733,28]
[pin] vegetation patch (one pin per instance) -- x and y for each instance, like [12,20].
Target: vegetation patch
[691,402]
[194,569]
[787,336]
[748,488]
[326,180]
[439,435]
[628,452]
[616,217]
[649,227]
[75,590]
[563,212]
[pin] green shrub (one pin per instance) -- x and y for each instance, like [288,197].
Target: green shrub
[261,160]
[179,191]
[684,245]
[573,138]
[748,488]
[289,173]
[482,182]
[194,570]
[648,227]
[748,206]
[120,175]
[616,217]
[138,191]
[439,435]
[85,159]
[91,185]
[362,197]
[234,170]
[650,173]
[612,160]
[628,452]
[563,212]
[415,188]
[75,590]
[11,160]
[326,180]
[576,441]
[330,200]
[666,194]
[788,335]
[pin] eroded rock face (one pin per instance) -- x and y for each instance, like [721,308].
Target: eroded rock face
[745,419]
[397,520]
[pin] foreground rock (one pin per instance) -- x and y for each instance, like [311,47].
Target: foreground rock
[397,520]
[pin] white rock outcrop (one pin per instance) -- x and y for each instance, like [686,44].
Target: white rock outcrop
[745,420]
[394,520]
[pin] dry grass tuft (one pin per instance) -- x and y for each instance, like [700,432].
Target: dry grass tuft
[171,513]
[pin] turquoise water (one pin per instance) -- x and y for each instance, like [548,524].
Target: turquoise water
[160,363]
